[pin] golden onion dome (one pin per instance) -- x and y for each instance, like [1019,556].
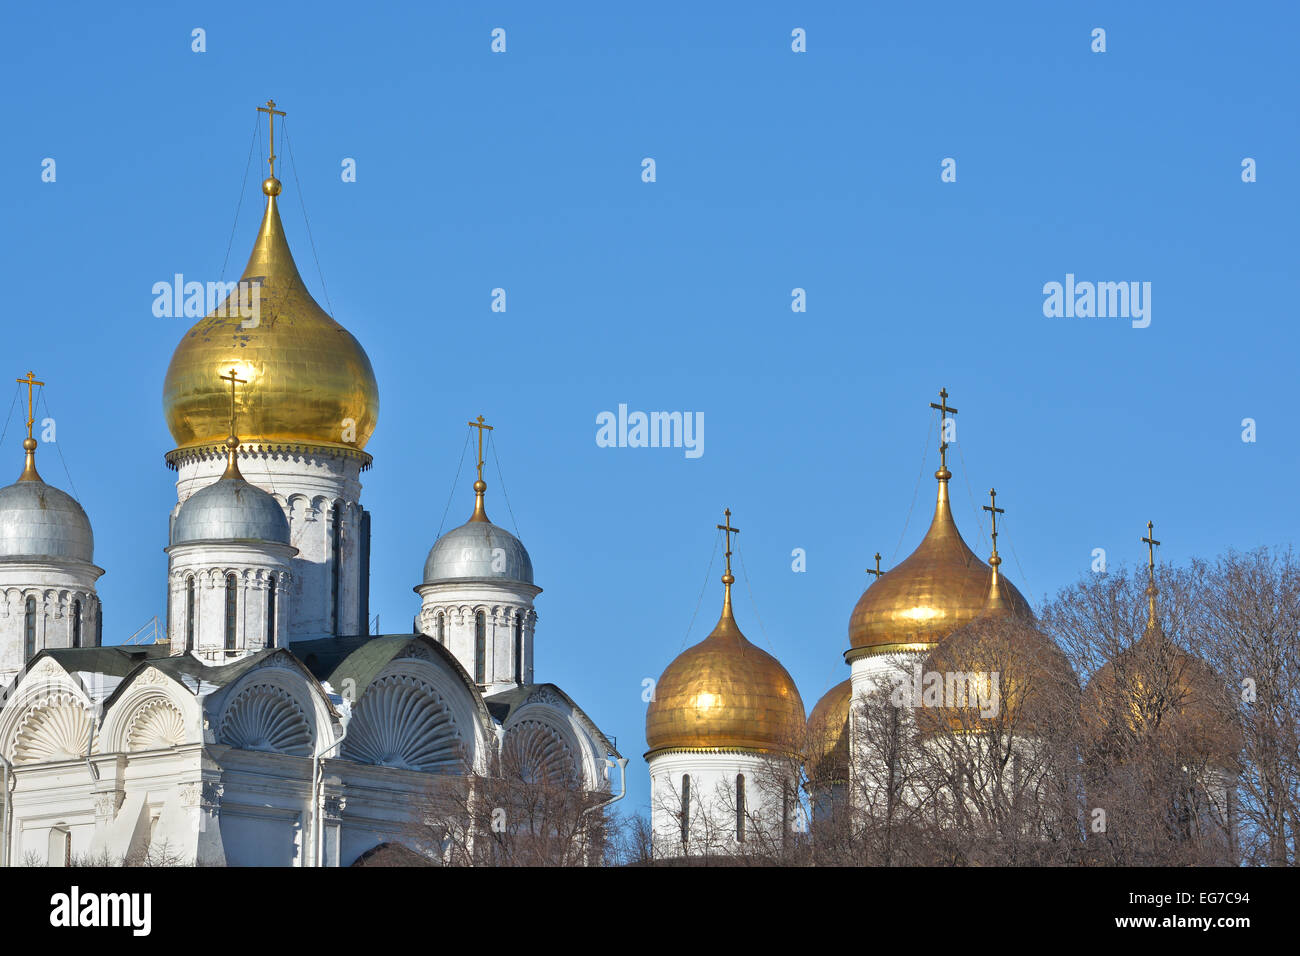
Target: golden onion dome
[1153,688]
[939,587]
[725,694]
[309,382]
[1014,677]
[828,735]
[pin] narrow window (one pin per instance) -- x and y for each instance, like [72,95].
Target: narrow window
[29,628]
[232,608]
[189,614]
[686,807]
[440,629]
[519,650]
[270,611]
[740,808]
[76,623]
[480,648]
[336,592]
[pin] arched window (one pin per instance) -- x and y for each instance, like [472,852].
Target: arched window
[270,611]
[480,648]
[232,609]
[189,614]
[76,623]
[519,649]
[740,807]
[29,629]
[440,628]
[686,807]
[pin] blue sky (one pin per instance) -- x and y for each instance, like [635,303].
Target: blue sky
[775,170]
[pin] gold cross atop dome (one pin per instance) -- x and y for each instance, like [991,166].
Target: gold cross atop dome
[728,578]
[29,443]
[729,530]
[1151,543]
[480,485]
[232,441]
[272,112]
[947,411]
[993,509]
[877,572]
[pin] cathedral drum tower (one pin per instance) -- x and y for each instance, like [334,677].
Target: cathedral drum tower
[308,406]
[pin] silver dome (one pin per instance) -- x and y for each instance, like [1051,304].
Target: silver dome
[230,509]
[39,520]
[478,551]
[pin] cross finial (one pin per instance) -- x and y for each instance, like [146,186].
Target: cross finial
[270,109]
[877,572]
[946,411]
[232,442]
[479,424]
[30,381]
[1151,543]
[729,531]
[29,443]
[480,485]
[993,509]
[234,380]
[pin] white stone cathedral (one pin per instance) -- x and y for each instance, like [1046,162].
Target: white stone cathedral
[271,728]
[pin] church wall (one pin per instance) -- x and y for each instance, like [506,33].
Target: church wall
[55,590]
[503,604]
[712,822]
[209,565]
[307,485]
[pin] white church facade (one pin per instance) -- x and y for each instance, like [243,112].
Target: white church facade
[271,728]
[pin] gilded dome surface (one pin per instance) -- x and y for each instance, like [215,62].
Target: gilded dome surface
[939,587]
[828,734]
[1154,687]
[725,694]
[308,380]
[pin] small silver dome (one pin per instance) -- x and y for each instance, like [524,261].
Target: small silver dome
[39,520]
[230,509]
[478,550]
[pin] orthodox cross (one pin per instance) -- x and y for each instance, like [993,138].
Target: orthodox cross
[946,410]
[729,530]
[1151,543]
[877,572]
[270,109]
[993,509]
[29,381]
[480,426]
[233,380]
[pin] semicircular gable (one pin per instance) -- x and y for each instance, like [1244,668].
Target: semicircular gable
[402,721]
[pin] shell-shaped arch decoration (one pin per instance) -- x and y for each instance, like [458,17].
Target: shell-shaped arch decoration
[156,725]
[537,753]
[403,722]
[266,717]
[56,728]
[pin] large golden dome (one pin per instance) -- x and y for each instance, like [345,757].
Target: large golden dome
[725,694]
[309,381]
[939,587]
